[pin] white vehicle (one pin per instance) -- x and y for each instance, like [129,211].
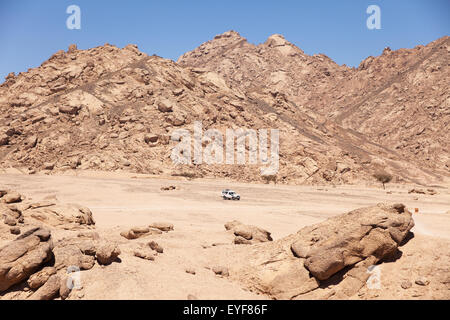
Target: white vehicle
[228,194]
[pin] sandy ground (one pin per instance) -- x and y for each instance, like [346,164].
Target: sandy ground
[199,214]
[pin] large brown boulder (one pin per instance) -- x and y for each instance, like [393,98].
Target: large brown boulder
[107,253]
[338,251]
[12,197]
[74,252]
[24,256]
[247,234]
[49,290]
[347,239]
[66,216]
[10,215]
[39,278]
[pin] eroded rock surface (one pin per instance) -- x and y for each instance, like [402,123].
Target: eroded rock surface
[22,257]
[247,234]
[340,249]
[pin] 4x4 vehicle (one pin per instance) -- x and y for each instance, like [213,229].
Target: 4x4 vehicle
[228,194]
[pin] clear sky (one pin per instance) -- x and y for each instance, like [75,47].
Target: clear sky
[31,31]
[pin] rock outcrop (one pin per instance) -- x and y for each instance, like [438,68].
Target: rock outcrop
[36,263]
[336,252]
[66,216]
[247,234]
[24,256]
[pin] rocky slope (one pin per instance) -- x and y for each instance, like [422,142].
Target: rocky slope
[398,100]
[115,109]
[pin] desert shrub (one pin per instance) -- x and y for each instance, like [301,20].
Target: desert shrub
[268,178]
[186,174]
[383,177]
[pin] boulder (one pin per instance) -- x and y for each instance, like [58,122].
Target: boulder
[247,234]
[144,254]
[64,289]
[24,256]
[49,290]
[12,197]
[299,249]
[10,221]
[347,239]
[74,252]
[107,253]
[12,210]
[67,216]
[41,277]
[337,251]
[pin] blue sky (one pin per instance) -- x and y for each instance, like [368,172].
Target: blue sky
[31,31]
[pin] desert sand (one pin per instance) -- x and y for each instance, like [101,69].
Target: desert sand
[199,240]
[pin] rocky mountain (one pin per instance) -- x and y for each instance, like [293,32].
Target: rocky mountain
[398,100]
[111,109]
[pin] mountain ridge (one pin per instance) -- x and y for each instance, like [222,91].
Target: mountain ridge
[108,108]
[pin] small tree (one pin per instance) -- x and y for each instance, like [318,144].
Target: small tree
[383,177]
[268,178]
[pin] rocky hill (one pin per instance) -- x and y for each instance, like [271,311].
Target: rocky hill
[111,109]
[399,100]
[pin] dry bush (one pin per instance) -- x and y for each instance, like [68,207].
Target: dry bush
[383,176]
[268,178]
[186,174]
